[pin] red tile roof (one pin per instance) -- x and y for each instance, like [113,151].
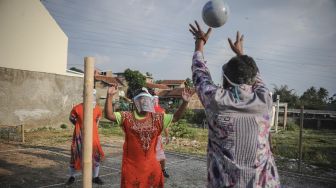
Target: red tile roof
[177,92]
[108,79]
[172,82]
[159,86]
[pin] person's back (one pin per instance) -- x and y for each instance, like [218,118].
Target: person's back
[238,117]
[238,137]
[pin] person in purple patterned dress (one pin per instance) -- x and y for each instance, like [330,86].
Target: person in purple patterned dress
[239,115]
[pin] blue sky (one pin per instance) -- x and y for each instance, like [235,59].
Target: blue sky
[292,41]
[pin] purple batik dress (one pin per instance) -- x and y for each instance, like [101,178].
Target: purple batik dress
[239,152]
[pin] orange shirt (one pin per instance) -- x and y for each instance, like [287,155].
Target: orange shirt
[139,165]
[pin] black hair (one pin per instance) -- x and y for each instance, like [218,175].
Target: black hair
[132,93]
[240,70]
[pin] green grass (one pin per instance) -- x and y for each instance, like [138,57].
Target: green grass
[197,145]
[108,128]
[319,146]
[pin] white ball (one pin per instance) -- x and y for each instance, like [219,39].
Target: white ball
[215,13]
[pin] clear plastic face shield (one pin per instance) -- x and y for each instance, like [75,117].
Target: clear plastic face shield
[144,102]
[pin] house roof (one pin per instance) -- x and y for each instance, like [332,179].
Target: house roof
[172,82]
[159,86]
[108,79]
[175,93]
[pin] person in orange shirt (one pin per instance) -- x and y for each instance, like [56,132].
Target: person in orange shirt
[142,127]
[77,118]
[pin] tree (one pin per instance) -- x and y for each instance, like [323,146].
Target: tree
[315,99]
[286,95]
[135,80]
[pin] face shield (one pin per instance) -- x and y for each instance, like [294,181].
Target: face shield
[144,102]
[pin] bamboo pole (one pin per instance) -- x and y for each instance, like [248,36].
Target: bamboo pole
[300,139]
[88,119]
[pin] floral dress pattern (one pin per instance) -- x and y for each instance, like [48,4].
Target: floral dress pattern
[140,169]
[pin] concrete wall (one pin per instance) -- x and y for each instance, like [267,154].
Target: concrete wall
[37,99]
[30,38]
[195,102]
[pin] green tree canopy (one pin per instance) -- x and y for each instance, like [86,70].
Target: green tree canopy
[286,95]
[135,80]
[315,99]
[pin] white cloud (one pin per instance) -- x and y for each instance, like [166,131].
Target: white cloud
[156,54]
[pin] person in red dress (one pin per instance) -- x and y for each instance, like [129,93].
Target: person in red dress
[142,127]
[77,118]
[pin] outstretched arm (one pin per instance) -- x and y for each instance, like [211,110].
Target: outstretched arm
[186,95]
[108,103]
[200,74]
[200,37]
[237,46]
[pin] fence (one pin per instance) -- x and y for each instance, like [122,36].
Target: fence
[12,133]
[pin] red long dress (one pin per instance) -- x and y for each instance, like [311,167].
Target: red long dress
[140,169]
[77,139]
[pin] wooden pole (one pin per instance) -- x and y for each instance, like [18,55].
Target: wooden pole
[277,113]
[300,139]
[88,120]
[285,117]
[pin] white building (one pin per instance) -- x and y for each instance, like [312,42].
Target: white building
[30,39]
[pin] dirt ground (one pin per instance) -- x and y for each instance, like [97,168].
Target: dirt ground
[43,161]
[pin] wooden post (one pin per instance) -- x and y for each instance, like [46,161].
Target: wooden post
[285,117]
[22,134]
[88,120]
[276,121]
[300,139]
[318,123]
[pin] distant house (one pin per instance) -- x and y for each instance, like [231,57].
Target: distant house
[172,84]
[157,87]
[173,98]
[101,84]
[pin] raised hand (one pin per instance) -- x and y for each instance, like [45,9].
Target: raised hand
[186,94]
[237,46]
[198,33]
[113,89]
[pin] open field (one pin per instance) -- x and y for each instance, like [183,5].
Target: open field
[43,162]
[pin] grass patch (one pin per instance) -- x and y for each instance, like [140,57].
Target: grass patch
[109,129]
[319,146]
